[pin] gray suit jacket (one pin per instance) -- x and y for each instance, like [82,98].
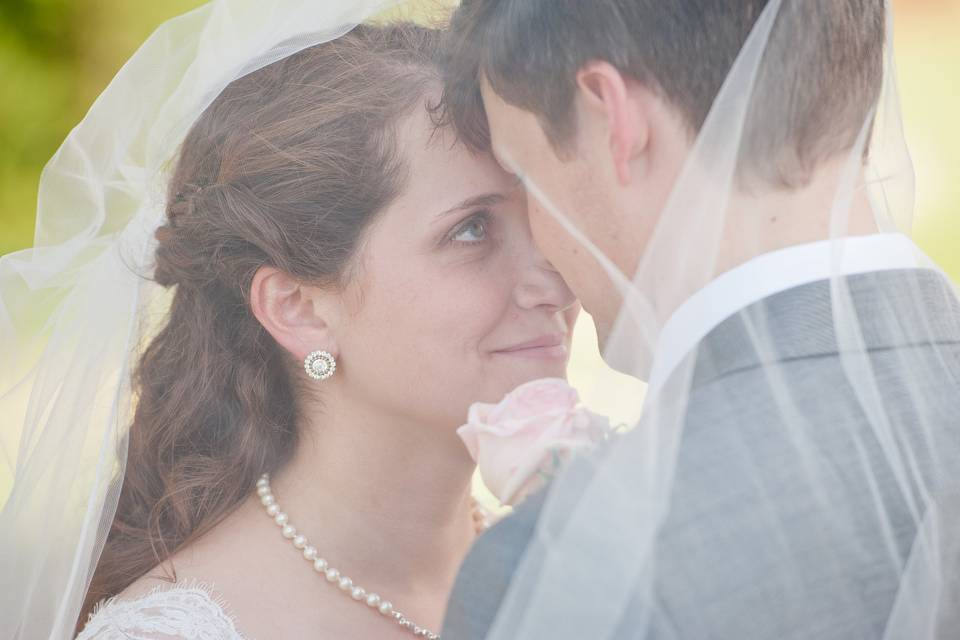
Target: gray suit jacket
[729,589]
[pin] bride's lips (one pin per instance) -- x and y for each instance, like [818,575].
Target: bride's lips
[547,347]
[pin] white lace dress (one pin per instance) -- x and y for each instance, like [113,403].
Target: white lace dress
[183,611]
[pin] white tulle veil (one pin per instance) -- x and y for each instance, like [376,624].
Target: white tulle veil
[594,559]
[77,307]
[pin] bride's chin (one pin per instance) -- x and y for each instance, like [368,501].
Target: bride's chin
[522,370]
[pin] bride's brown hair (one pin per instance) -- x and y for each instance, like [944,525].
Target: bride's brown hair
[287,167]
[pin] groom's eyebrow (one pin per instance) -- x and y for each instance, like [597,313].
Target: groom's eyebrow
[474,202]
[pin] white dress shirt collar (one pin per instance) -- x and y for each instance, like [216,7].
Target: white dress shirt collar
[769,274]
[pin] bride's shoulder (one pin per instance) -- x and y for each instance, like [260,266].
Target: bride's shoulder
[153,609]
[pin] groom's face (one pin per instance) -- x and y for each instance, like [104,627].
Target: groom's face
[580,189]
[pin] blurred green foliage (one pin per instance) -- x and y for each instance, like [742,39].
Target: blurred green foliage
[56,56]
[38,44]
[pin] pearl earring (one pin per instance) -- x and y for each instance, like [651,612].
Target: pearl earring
[319,365]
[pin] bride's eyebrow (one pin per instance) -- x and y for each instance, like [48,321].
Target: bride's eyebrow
[474,202]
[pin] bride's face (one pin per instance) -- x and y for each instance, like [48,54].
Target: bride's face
[450,301]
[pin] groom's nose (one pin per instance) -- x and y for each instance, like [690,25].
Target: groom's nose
[540,285]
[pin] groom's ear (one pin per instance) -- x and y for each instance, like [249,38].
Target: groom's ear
[297,315]
[614,97]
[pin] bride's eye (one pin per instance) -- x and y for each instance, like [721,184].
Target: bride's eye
[473,230]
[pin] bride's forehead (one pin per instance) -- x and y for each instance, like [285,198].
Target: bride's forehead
[430,150]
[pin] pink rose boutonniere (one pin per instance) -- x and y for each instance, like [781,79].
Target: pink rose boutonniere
[521,442]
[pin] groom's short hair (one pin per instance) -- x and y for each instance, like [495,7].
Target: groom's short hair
[826,80]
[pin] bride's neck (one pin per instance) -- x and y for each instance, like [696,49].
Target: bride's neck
[382,500]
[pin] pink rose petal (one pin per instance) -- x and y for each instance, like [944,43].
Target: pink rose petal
[515,440]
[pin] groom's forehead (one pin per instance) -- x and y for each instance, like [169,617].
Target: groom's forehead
[501,114]
[496,113]
[508,125]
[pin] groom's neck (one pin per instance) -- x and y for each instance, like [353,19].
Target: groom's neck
[830,205]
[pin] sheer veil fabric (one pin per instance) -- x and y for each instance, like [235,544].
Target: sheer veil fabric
[77,307]
[600,563]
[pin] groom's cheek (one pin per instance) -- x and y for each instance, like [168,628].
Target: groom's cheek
[543,227]
[561,249]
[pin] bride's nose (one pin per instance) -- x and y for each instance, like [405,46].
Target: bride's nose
[541,285]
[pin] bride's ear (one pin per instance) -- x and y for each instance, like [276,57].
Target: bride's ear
[619,102]
[298,316]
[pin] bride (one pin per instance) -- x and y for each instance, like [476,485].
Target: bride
[346,280]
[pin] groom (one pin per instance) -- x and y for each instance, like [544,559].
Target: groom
[597,102]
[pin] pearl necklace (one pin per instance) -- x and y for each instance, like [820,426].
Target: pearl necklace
[334,576]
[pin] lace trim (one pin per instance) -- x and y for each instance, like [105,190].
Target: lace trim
[185,609]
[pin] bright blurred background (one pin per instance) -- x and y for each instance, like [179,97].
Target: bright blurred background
[56,56]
